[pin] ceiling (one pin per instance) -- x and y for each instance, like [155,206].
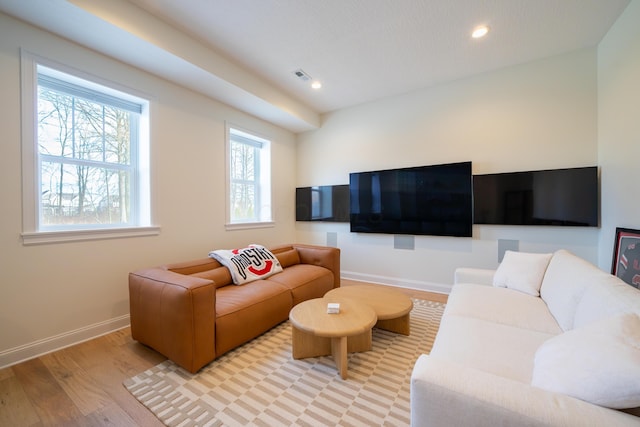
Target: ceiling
[244,52]
[362,50]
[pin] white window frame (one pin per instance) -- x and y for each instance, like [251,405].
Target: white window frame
[264,216]
[32,233]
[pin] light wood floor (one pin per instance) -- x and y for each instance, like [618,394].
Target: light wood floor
[82,385]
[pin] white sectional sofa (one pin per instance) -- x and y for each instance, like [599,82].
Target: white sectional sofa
[544,340]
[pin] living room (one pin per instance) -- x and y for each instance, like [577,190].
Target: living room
[573,109]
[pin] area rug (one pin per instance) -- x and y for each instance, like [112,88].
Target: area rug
[260,384]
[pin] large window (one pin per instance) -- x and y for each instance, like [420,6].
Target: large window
[88,158]
[249,178]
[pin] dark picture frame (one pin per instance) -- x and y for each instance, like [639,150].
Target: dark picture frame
[626,256]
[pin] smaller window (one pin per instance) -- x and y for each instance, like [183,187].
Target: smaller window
[249,200]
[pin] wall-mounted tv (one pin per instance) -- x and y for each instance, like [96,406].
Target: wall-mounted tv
[323,203]
[561,197]
[426,200]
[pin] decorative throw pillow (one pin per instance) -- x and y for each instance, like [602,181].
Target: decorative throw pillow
[598,363]
[248,264]
[522,271]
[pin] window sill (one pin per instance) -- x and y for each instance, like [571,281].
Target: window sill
[45,237]
[248,225]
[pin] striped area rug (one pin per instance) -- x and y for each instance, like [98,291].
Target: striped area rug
[260,384]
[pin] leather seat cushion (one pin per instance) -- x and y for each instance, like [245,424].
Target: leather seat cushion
[246,311]
[287,255]
[305,281]
[220,276]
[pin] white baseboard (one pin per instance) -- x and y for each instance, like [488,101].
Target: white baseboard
[439,288]
[35,349]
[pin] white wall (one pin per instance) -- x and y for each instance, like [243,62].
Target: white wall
[539,115]
[56,294]
[619,128]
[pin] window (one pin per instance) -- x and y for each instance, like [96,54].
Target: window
[249,198]
[86,161]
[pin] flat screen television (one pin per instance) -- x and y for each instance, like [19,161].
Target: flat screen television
[426,200]
[323,203]
[559,197]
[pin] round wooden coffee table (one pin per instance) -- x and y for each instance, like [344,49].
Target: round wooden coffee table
[314,332]
[392,307]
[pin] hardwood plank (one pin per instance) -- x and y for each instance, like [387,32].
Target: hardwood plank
[110,360]
[93,353]
[6,373]
[135,410]
[81,388]
[15,407]
[116,349]
[51,403]
[134,357]
[113,415]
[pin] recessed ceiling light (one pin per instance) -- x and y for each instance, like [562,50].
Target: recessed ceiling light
[480,32]
[316,85]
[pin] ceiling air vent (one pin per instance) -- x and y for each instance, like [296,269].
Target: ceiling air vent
[302,75]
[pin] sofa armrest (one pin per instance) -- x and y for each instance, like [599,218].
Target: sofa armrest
[324,256]
[478,276]
[175,315]
[444,393]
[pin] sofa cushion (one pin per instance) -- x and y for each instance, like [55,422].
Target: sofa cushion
[244,312]
[488,346]
[287,255]
[220,276]
[501,305]
[598,363]
[447,394]
[305,281]
[522,271]
[567,279]
[248,264]
[478,276]
[606,298]
[191,267]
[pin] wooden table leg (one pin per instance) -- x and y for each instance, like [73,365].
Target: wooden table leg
[360,342]
[308,345]
[339,350]
[401,325]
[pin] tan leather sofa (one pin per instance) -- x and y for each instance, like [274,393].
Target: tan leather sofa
[192,313]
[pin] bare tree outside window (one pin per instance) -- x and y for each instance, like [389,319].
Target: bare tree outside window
[243,181]
[84,149]
[250,181]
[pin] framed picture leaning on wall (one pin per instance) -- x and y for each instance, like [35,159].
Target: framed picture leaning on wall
[626,256]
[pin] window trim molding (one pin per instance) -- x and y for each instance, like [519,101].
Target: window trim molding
[248,225]
[31,235]
[45,237]
[28,90]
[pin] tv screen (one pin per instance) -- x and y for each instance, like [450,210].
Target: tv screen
[426,200]
[562,197]
[323,203]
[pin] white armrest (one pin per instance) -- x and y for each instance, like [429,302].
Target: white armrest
[448,394]
[479,276]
